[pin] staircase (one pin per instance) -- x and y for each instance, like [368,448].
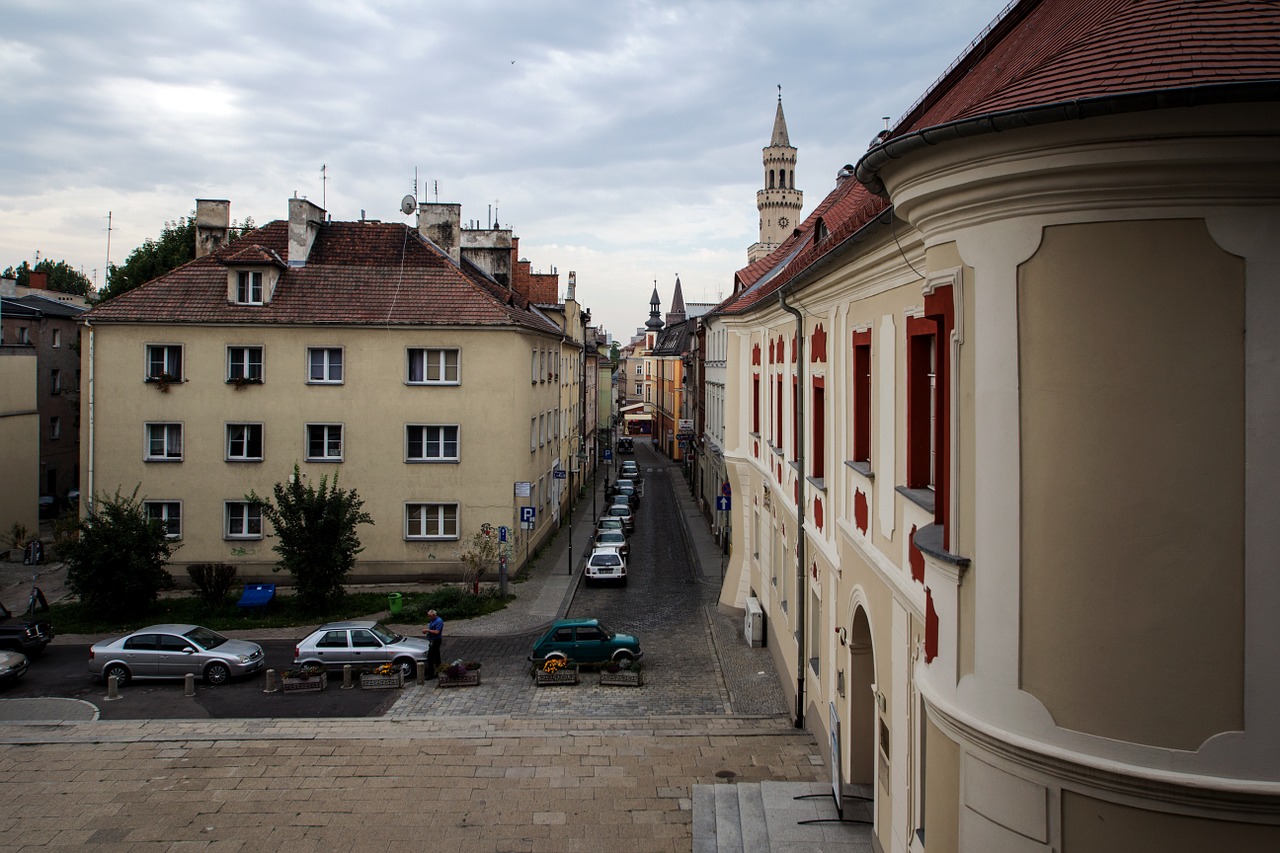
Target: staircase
[764,817]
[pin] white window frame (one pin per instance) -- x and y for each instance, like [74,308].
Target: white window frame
[168,357]
[165,517]
[433,360]
[241,366]
[422,513]
[326,365]
[440,442]
[171,450]
[55,381]
[231,456]
[533,434]
[57,339]
[249,284]
[327,429]
[248,516]
[55,427]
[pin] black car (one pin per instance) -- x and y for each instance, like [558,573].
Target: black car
[23,634]
[626,445]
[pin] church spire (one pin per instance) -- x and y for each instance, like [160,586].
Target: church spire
[654,323]
[779,202]
[677,313]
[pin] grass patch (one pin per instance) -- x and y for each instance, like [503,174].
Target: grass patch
[452,602]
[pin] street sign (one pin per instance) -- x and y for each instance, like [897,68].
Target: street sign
[608,454]
[723,504]
[725,490]
[561,474]
[502,533]
[527,516]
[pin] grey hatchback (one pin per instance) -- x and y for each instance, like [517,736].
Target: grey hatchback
[360,643]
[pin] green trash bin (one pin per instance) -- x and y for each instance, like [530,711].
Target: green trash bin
[394,602]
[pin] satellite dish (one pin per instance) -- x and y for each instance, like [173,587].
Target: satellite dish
[407,204]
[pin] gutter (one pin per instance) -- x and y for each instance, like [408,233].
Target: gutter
[801,592]
[87,495]
[868,169]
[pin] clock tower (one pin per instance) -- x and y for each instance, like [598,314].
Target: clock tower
[779,202]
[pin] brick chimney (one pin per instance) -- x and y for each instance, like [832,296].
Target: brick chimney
[213,221]
[305,220]
[38,281]
[441,224]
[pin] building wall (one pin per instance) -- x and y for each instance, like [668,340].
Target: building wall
[506,415]
[20,439]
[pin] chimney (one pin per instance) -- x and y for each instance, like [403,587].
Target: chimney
[213,221]
[38,281]
[440,223]
[846,172]
[305,220]
[573,286]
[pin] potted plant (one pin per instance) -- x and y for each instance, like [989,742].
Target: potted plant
[163,381]
[385,677]
[622,674]
[241,381]
[555,670]
[459,674]
[304,679]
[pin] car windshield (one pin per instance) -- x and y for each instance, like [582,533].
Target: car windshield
[625,484]
[385,636]
[610,524]
[612,536]
[606,560]
[204,638]
[619,510]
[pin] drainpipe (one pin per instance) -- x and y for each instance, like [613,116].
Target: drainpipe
[801,592]
[86,500]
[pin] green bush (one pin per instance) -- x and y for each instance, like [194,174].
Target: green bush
[213,582]
[117,563]
[453,602]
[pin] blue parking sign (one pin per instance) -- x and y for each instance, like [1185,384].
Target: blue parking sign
[528,514]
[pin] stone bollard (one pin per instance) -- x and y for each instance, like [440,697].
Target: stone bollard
[270,686]
[346,677]
[113,688]
[190,685]
[422,673]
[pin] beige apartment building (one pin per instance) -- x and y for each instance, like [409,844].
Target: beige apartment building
[407,362]
[1004,452]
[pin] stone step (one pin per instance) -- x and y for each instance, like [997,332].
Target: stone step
[768,817]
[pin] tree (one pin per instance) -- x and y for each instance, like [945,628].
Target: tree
[480,557]
[316,528]
[154,258]
[117,563]
[62,276]
[615,355]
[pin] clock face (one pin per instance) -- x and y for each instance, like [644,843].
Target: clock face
[784,222]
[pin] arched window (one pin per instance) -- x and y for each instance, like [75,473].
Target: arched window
[782,175]
[771,179]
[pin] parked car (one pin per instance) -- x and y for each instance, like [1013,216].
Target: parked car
[630,471]
[626,445]
[585,641]
[623,513]
[608,522]
[358,643]
[627,499]
[606,564]
[613,539]
[172,651]
[12,666]
[629,487]
[23,633]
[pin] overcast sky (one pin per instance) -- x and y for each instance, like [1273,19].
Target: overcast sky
[618,139]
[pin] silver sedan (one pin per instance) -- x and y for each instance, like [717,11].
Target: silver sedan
[172,651]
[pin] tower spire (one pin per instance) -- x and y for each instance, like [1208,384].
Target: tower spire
[779,202]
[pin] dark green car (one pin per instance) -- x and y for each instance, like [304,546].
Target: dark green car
[585,641]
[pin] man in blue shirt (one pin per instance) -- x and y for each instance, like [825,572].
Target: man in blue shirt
[435,633]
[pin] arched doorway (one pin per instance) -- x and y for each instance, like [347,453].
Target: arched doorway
[859,693]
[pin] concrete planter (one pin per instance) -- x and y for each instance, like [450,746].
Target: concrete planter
[310,684]
[370,681]
[568,675]
[470,679]
[622,678]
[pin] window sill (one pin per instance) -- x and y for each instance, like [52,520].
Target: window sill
[922,498]
[432,461]
[327,460]
[863,468]
[240,382]
[325,382]
[777,451]
[929,540]
[431,384]
[255,538]
[813,665]
[235,459]
[431,538]
[162,459]
[819,483]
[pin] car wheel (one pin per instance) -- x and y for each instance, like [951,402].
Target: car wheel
[408,667]
[120,671]
[217,673]
[624,659]
[555,656]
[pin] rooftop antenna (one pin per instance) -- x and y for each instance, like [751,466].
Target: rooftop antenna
[107,268]
[324,185]
[436,184]
[415,184]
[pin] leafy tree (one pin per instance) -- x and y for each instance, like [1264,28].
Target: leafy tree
[615,355]
[175,247]
[117,563]
[316,528]
[63,277]
[480,557]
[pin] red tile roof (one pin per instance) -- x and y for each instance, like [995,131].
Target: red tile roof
[1043,52]
[357,273]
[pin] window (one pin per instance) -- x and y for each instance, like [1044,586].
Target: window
[55,381]
[168,513]
[922,403]
[431,521]
[244,364]
[243,520]
[55,427]
[164,442]
[324,442]
[638,391]
[862,396]
[639,368]
[429,443]
[819,430]
[57,338]
[249,288]
[433,367]
[533,434]
[244,442]
[24,335]
[164,361]
[755,403]
[324,365]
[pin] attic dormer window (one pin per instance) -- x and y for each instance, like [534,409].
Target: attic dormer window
[820,231]
[248,288]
